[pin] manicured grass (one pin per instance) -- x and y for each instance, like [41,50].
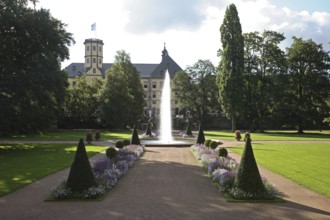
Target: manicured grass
[23,164]
[305,163]
[271,135]
[69,135]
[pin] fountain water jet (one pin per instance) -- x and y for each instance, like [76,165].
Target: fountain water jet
[166,138]
[165,111]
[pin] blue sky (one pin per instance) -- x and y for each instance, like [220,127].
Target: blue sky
[190,28]
[309,5]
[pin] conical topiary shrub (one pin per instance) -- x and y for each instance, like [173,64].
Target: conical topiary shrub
[248,177]
[188,129]
[201,137]
[148,131]
[135,137]
[81,176]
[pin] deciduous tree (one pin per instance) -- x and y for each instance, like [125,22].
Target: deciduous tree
[32,84]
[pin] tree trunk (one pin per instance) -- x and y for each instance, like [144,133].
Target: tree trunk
[233,123]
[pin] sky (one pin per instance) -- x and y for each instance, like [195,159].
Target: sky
[190,28]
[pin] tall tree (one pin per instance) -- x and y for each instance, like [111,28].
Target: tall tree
[32,84]
[231,66]
[196,89]
[135,88]
[264,62]
[123,94]
[309,84]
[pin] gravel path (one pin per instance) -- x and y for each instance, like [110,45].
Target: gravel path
[166,183]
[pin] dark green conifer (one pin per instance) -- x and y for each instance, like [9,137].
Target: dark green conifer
[201,137]
[148,131]
[135,137]
[81,176]
[188,129]
[248,177]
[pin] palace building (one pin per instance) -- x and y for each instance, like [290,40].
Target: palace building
[152,75]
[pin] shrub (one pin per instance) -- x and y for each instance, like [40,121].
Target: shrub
[126,142]
[111,152]
[223,152]
[81,176]
[213,144]
[89,137]
[248,177]
[135,137]
[207,143]
[238,136]
[201,137]
[97,135]
[119,144]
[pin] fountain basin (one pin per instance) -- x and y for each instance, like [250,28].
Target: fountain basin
[173,143]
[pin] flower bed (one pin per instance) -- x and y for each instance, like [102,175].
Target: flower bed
[223,170]
[107,173]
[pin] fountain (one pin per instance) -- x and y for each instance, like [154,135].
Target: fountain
[166,138]
[165,112]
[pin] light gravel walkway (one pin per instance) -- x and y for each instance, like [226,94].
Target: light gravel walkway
[166,183]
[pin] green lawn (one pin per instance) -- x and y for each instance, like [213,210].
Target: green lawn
[69,135]
[271,135]
[305,163]
[23,164]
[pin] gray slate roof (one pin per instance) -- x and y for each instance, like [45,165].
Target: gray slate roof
[147,70]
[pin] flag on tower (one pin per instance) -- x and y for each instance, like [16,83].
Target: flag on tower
[93,27]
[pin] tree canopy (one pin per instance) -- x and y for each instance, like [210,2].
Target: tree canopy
[32,84]
[123,94]
[196,89]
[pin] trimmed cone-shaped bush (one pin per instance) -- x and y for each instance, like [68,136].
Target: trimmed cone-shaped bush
[81,176]
[201,137]
[135,137]
[248,177]
[188,129]
[148,131]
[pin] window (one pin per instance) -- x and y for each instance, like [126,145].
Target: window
[154,102]
[74,68]
[100,61]
[145,85]
[87,48]
[154,85]
[154,95]
[94,60]
[87,60]
[94,70]
[94,48]
[100,49]
[145,95]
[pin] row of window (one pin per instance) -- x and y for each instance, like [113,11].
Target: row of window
[94,48]
[94,60]
[153,85]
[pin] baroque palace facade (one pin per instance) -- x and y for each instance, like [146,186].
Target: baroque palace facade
[152,75]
